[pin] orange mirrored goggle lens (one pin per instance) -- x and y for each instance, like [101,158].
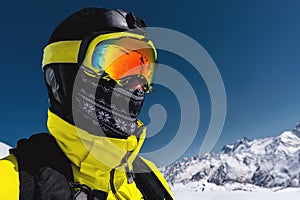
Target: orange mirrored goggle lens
[124,57]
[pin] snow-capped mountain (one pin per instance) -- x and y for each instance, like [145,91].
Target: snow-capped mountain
[4,150]
[268,162]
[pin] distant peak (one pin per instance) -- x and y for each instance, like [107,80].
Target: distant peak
[227,148]
[296,130]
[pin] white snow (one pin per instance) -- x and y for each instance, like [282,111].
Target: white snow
[204,186]
[4,150]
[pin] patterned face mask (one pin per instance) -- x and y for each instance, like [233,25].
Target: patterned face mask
[102,106]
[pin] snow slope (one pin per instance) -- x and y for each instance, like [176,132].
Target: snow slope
[4,150]
[289,194]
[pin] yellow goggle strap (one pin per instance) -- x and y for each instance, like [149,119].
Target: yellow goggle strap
[61,52]
[67,51]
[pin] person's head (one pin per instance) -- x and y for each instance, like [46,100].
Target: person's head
[97,65]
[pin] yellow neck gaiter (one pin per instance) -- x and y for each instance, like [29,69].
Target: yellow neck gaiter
[93,157]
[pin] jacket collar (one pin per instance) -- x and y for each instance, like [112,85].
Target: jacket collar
[93,154]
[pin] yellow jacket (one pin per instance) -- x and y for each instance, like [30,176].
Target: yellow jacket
[92,158]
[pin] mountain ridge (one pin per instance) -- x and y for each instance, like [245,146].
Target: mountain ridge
[265,162]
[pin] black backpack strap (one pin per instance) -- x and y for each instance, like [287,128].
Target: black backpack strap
[27,185]
[35,153]
[148,183]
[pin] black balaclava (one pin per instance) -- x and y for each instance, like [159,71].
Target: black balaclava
[96,105]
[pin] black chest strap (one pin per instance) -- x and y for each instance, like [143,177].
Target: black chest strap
[148,183]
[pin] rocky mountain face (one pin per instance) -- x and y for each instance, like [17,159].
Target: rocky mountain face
[268,162]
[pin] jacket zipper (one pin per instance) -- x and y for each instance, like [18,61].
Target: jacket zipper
[129,174]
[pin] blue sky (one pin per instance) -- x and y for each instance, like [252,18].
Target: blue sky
[255,45]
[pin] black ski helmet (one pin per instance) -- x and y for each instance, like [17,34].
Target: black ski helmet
[60,77]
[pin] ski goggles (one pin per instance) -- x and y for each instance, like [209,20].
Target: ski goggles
[119,55]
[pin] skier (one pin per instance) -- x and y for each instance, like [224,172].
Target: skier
[98,66]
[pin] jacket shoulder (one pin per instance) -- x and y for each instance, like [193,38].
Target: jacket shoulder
[41,150]
[9,178]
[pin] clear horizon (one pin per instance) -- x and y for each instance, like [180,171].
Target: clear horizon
[255,46]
